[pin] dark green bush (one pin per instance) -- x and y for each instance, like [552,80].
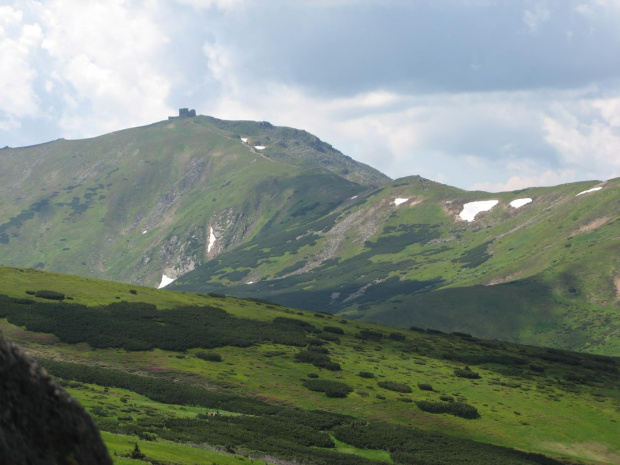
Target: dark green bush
[312,375]
[370,335]
[394,386]
[329,337]
[467,373]
[447,398]
[416,328]
[459,409]
[434,331]
[50,295]
[460,334]
[133,291]
[330,388]
[30,292]
[366,374]
[397,337]
[209,356]
[333,329]
[425,387]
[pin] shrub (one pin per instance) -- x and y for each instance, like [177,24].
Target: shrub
[394,386]
[330,388]
[434,331]
[397,337]
[447,398]
[30,292]
[460,334]
[416,328]
[333,329]
[467,373]
[371,335]
[459,409]
[23,301]
[133,291]
[312,375]
[209,356]
[425,387]
[217,295]
[366,374]
[329,337]
[50,295]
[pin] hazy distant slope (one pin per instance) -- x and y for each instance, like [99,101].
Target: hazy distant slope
[135,204]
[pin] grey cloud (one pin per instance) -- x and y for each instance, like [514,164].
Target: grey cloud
[423,47]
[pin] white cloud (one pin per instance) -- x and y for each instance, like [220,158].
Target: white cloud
[18,43]
[104,58]
[536,16]
[206,4]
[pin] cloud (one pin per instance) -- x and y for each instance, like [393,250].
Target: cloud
[536,16]
[468,92]
[103,57]
[19,41]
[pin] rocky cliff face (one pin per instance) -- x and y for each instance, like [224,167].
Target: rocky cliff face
[39,422]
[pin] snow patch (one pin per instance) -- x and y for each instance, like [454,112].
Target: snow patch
[211,241]
[244,140]
[250,282]
[590,190]
[399,201]
[165,280]
[471,209]
[354,197]
[260,147]
[144,232]
[518,203]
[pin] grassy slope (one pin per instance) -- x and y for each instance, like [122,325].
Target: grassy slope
[377,256]
[519,407]
[137,203]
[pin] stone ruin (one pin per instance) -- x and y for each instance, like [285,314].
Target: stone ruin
[184,113]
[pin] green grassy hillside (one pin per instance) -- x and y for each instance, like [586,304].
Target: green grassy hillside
[153,366]
[136,204]
[296,222]
[544,273]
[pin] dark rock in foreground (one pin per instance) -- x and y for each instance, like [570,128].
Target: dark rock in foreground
[39,422]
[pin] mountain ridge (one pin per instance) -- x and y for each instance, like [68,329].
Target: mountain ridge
[252,209]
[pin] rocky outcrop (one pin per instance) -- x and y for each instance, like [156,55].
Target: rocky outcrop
[39,422]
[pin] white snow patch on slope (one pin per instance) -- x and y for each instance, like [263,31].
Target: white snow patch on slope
[165,280]
[144,232]
[260,147]
[590,190]
[399,201]
[250,282]
[354,197]
[471,209]
[518,203]
[244,140]
[211,241]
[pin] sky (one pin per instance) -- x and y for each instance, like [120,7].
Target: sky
[480,94]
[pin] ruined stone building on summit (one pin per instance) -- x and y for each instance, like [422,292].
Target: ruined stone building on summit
[184,113]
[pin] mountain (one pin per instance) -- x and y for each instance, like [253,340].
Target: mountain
[539,267]
[253,210]
[186,378]
[135,204]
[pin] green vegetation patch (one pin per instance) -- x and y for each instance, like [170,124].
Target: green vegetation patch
[330,388]
[141,326]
